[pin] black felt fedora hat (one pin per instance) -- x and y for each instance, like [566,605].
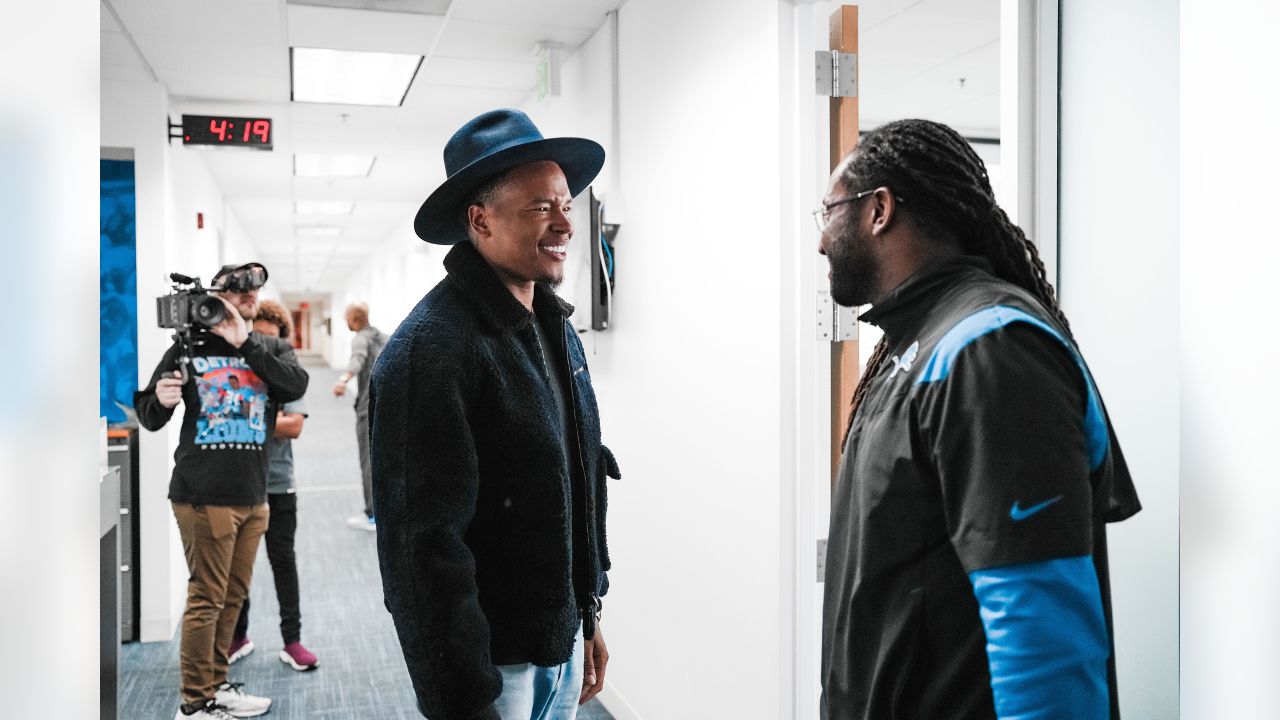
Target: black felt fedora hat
[488,146]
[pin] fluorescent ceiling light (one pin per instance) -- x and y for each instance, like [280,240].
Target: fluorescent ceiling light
[323,207]
[350,77]
[419,7]
[314,165]
[318,231]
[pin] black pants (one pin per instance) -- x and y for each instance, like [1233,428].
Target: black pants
[284,567]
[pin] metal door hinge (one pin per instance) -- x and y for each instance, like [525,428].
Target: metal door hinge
[822,560]
[836,73]
[836,323]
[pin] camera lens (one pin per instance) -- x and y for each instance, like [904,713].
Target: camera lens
[208,311]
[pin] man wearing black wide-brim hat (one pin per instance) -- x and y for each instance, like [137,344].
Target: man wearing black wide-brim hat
[488,470]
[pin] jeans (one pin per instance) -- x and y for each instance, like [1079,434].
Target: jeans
[284,567]
[530,692]
[220,544]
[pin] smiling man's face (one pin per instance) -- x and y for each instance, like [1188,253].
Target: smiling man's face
[525,227]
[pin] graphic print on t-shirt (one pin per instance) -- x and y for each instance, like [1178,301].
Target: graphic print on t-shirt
[233,404]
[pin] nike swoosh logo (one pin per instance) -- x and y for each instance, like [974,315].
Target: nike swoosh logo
[1019,514]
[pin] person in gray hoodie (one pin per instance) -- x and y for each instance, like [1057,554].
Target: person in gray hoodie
[365,347]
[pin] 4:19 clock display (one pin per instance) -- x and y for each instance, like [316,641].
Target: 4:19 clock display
[226,131]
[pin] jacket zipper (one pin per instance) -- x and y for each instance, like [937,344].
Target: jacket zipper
[588,495]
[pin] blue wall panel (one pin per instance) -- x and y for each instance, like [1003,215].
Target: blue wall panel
[118,334]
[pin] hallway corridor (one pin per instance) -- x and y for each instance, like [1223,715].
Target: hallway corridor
[361,673]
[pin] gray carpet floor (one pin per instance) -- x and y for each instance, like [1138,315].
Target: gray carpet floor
[361,672]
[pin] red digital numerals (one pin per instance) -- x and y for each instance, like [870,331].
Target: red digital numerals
[225,130]
[261,128]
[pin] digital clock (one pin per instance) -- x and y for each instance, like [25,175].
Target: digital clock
[225,131]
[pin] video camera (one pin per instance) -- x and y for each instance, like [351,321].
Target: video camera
[191,310]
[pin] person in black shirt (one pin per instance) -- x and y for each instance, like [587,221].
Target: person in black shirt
[488,469]
[218,486]
[966,561]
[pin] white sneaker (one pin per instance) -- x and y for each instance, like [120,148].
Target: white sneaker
[211,711]
[239,703]
[362,522]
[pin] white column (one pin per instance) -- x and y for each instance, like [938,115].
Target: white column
[1119,270]
[1029,122]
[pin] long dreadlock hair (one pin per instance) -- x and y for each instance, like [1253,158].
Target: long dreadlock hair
[937,172]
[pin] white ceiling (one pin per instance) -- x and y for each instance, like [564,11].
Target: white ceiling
[913,55]
[232,57]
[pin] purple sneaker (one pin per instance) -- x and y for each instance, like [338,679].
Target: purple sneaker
[298,657]
[240,647]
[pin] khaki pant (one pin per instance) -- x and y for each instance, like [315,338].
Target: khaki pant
[220,543]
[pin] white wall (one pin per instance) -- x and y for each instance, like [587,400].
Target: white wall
[1229,349]
[1119,287]
[162,570]
[689,376]
[391,281]
[585,108]
[173,184]
[49,446]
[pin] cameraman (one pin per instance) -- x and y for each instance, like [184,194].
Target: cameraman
[218,487]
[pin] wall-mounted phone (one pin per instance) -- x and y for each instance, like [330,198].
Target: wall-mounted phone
[603,265]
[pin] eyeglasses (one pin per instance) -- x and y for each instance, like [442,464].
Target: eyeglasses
[822,216]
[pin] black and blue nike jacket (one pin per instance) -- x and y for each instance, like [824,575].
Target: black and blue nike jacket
[966,562]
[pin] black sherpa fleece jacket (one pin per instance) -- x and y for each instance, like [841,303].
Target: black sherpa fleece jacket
[474,505]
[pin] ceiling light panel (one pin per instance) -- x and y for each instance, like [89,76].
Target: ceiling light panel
[344,29]
[313,165]
[419,7]
[350,77]
[318,231]
[323,207]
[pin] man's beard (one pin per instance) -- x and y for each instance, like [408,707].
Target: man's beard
[854,272]
[551,281]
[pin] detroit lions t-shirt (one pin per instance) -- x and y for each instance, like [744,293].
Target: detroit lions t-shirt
[227,420]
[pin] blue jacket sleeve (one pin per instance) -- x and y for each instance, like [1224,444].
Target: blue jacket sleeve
[1047,643]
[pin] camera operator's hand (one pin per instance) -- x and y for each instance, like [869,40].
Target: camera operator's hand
[169,390]
[233,328]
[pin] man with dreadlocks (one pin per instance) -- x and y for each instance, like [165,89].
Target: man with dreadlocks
[967,563]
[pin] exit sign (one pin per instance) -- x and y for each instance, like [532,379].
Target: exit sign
[548,70]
